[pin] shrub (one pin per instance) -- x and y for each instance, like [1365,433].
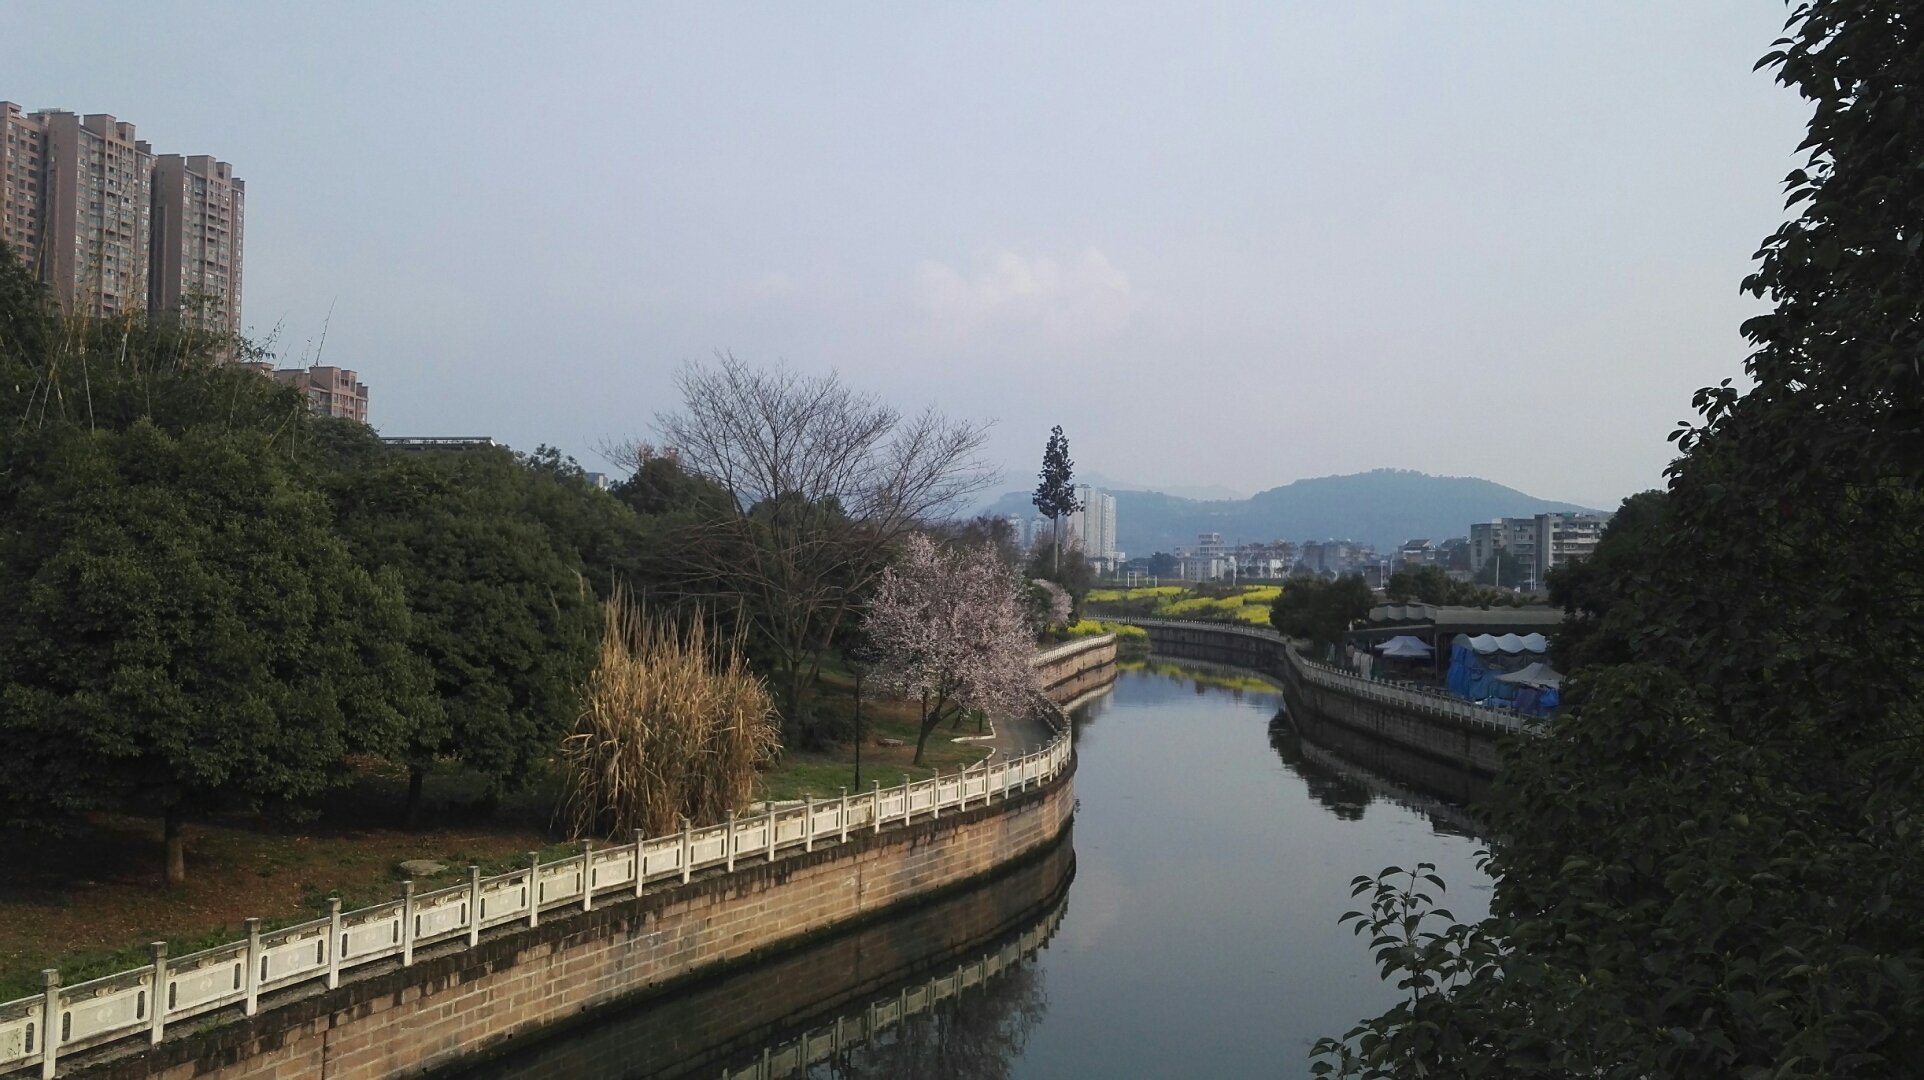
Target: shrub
[665,730]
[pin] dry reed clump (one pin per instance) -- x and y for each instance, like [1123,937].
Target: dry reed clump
[672,724]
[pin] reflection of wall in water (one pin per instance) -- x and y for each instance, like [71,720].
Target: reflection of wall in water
[696,1030]
[1344,769]
[971,1022]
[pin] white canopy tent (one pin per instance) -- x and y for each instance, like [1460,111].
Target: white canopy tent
[1405,647]
[1537,674]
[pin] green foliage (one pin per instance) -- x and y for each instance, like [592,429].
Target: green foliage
[1710,866]
[502,614]
[1601,615]
[184,626]
[1055,491]
[1068,569]
[1096,628]
[1318,610]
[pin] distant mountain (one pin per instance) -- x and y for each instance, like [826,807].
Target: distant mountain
[1384,507]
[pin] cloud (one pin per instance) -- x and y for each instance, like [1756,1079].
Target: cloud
[1067,302]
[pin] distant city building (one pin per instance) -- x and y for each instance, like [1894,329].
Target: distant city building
[1334,558]
[1093,528]
[1272,560]
[199,211]
[78,207]
[597,480]
[1541,543]
[1209,560]
[1420,552]
[112,228]
[1018,530]
[332,391]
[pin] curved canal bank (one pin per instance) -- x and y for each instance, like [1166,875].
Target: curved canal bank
[1200,935]
[403,987]
[1424,721]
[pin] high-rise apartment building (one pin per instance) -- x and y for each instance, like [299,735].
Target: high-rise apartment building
[199,212]
[112,228]
[23,150]
[79,206]
[1541,543]
[1094,526]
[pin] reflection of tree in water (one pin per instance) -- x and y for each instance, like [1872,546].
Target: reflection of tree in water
[978,1035]
[1341,795]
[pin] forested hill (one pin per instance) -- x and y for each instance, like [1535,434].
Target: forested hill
[1384,507]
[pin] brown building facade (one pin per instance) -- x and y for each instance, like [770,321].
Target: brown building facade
[199,211]
[115,230]
[331,391]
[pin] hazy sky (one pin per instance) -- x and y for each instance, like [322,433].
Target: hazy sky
[1220,244]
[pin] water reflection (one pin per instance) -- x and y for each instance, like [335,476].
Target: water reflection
[971,1023]
[1345,770]
[1212,857]
[843,1001]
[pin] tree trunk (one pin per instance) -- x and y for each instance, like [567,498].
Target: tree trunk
[174,846]
[922,739]
[927,725]
[416,774]
[1055,542]
[858,729]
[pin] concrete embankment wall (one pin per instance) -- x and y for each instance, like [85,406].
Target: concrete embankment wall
[456,1000]
[1425,730]
[697,1029]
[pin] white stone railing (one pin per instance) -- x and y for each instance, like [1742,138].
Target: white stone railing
[64,1020]
[1402,695]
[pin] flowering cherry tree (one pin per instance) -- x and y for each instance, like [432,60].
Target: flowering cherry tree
[949,631]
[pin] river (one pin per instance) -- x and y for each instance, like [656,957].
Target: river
[1189,927]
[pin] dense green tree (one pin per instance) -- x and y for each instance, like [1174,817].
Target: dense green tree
[1427,584]
[1055,490]
[1710,866]
[502,613]
[184,628]
[1503,570]
[1069,570]
[1601,616]
[1320,611]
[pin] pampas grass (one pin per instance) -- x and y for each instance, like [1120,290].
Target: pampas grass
[672,724]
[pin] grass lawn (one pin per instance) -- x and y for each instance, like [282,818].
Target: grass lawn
[88,899]
[824,773]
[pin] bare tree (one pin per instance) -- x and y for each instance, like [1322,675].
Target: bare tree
[825,480]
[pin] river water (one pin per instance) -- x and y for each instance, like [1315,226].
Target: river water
[1188,928]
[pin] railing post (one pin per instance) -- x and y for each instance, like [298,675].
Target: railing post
[334,944]
[534,888]
[407,924]
[641,862]
[587,875]
[687,852]
[771,830]
[875,800]
[728,844]
[474,905]
[158,1025]
[844,818]
[935,795]
[908,800]
[49,1021]
[808,823]
[253,979]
